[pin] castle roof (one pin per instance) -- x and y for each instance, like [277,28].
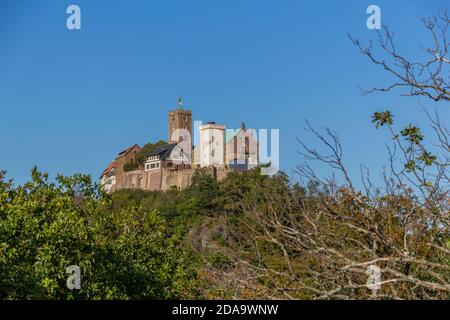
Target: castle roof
[109,169]
[162,151]
[127,151]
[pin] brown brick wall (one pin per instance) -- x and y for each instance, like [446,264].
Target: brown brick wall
[164,178]
[120,161]
[179,119]
[153,180]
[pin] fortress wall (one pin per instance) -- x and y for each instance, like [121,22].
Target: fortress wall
[131,180]
[164,178]
[153,180]
[180,178]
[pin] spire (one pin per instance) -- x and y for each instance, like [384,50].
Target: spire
[180,103]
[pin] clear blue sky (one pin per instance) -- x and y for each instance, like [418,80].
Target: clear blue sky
[70,100]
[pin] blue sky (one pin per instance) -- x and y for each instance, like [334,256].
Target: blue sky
[70,100]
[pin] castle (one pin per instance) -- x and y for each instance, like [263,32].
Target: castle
[173,164]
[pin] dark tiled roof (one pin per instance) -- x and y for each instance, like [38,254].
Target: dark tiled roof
[162,151]
[127,150]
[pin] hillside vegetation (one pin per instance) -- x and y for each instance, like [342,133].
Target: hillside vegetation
[249,236]
[253,236]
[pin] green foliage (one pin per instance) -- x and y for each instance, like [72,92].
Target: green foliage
[128,245]
[412,134]
[416,157]
[204,192]
[142,155]
[382,118]
[137,244]
[427,158]
[410,165]
[130,166]
[128,253]
[238,187]
[286,240]
[219,260]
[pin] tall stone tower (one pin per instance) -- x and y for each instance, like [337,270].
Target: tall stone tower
[180,130]
[180,120]
[212,145]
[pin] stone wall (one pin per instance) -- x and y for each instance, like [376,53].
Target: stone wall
[153,180]
[164,179]
[120,161]
[179,178]
[131,180]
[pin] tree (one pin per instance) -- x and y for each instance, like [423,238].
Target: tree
[125,254]
[142,155]
[428,78]
[329,242]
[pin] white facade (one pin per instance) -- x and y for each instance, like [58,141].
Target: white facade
[212,145]
[178,155]
[152,163]
[108,182]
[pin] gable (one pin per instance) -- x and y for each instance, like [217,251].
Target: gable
[177,155]
[133,149]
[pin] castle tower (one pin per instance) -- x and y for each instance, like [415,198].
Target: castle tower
[180,120]
[212,145]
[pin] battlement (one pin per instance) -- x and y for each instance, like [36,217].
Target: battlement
[181,111]
[212,125]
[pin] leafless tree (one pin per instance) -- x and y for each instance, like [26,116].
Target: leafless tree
[429,77]
[323,245]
